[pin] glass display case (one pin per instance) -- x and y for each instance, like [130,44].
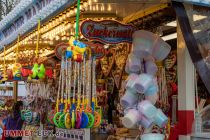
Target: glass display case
[201,125]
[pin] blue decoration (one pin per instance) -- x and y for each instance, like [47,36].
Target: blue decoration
[69,54]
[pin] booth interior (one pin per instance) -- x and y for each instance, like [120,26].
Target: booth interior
[105,70]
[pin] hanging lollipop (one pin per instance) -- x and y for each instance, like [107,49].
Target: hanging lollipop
[59,102]
[62,116]
[88,108]
[79,47]
[73,106]
[68,86]
[38,72]
[85,116]
[78,115]
[91,109]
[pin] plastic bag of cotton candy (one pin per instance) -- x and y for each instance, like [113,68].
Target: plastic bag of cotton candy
[140,84]
[149,47]
[145,114]
[146,44]
[142,69]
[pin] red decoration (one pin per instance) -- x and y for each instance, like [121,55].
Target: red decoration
[49,73]
[25,72]
[10,74]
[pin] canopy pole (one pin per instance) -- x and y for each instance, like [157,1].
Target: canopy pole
[15,90]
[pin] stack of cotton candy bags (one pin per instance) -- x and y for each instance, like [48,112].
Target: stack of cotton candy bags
[142,69]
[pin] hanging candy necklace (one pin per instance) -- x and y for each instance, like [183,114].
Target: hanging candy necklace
[85,116]
[68,86]
[62,117]
[59,102]
[88,109]
[73,106]
[78,115]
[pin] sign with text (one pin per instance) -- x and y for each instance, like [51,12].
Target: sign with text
[107,31]
[98,50]
[73,134]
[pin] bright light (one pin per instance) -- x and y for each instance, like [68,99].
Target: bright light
[172,24]
[196,31]
[109,7]
[170,37]
[198,17]
[106,46]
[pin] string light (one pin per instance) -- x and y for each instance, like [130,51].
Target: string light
[53,29]
[97,8]
[109,7]
[85,4]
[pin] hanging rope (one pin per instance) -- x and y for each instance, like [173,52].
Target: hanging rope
[196,91]
[77,20]
[38,36]
[17,48]
[4,59]
[4,71]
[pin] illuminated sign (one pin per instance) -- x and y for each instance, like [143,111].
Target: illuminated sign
[107,31]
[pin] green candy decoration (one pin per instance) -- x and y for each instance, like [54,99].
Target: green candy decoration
[38,71]
[42,69]
[41,72]
[35,70]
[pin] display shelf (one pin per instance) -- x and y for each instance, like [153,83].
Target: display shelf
[201,136]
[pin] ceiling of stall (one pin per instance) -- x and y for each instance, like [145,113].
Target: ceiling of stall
[144,14]
[125,8]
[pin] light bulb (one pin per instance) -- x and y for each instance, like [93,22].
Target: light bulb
[94,8]
[85,4]
[60,18]
[97,9]
[68,14]
[89,2]
[71,12]
[64,16]
[81,7]
[109,8]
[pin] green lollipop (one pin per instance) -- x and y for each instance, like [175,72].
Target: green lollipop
[61,121]
[91,120]
[56,119]
[35,70]
[41,71]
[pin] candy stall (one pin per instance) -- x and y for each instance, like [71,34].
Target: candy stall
[95,69]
